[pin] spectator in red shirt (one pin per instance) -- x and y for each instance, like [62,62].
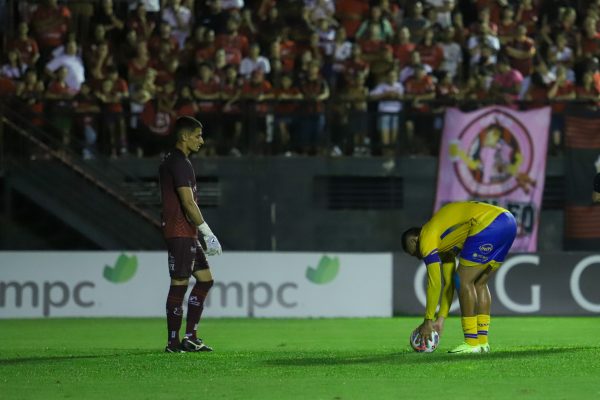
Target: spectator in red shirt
[138,66]
[206,89]
[232,38]
[289,96]
[31,93]
[285,55]
[60,95]
[50,24]
[207,51]
[25,45]
[355,65]
[315,91]
[561,90]
[538,85]
[87,110]
[431,52]
[231,91]
[420,89]
[587,91]
[527,14]
[257,91]
[113,122]
[350,13]
[521,51]
[507,25]
[164,36]
[446,91]
[589,44]
[140,23]
[403,46]
[372,46]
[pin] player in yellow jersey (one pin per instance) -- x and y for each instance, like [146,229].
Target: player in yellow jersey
[480,235]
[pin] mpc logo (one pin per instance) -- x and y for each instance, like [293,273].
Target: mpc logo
[47,296]
[261,295]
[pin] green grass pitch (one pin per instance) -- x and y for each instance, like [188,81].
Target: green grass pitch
[532,358]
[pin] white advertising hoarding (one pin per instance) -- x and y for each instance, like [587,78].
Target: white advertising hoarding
[247,284]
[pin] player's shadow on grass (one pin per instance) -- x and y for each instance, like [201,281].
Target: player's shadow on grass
[59,358]
[409,357]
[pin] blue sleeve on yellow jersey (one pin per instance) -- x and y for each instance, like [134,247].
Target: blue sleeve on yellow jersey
[432,257]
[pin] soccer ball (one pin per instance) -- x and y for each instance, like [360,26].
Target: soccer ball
[428,347]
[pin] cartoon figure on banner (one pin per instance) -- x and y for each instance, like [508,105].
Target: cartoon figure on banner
[493,157]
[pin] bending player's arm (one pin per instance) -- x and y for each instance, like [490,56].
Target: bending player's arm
[447,295]
[192,211]
[434,286]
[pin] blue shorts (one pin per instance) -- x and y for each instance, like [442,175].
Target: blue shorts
[492,243]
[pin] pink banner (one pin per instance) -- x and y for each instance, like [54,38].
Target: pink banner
[496,155]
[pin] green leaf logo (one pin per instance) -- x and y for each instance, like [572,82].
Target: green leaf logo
[123,270]
[325,272]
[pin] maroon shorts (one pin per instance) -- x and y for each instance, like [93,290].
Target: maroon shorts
[185,257]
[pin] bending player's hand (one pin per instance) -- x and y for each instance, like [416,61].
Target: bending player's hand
[425,330]
[438,325]
[213,247]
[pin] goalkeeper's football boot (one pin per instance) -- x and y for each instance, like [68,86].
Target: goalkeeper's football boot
[173,349]
[485,348]
[192,345]
[465,349]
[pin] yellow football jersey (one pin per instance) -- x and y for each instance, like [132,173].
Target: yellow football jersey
[448,229]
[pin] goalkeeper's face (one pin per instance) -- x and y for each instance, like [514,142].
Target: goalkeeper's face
[194,140]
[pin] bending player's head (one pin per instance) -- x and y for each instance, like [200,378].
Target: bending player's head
[410,241]
[188,132]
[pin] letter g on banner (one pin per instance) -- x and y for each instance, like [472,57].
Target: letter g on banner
[534,306]
[576,289]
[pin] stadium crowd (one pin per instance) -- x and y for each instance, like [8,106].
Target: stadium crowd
[291,76]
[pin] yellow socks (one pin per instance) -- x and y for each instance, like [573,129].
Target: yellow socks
[483,325]
[469,325]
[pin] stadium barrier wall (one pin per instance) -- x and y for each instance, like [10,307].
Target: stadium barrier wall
[546,283]
[135,284]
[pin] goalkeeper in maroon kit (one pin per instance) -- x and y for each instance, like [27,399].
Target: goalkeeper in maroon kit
[181,223]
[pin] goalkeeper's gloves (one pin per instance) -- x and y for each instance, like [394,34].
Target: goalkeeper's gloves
[213,247]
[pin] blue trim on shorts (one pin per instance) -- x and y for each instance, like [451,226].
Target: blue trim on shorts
[492,243]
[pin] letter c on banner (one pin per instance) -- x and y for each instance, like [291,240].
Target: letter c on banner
[420,291]
[576,289]
[501,289]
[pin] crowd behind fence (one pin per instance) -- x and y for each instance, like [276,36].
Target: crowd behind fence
[345,77]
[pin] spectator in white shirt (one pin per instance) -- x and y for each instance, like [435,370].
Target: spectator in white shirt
[72,62]
[180,19]
[453,56]
[254,62]
[389,94]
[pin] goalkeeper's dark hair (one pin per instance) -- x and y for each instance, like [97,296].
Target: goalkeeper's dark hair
[414,231]
[184,125]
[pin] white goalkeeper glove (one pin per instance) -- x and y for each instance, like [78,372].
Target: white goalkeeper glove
[213,247]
